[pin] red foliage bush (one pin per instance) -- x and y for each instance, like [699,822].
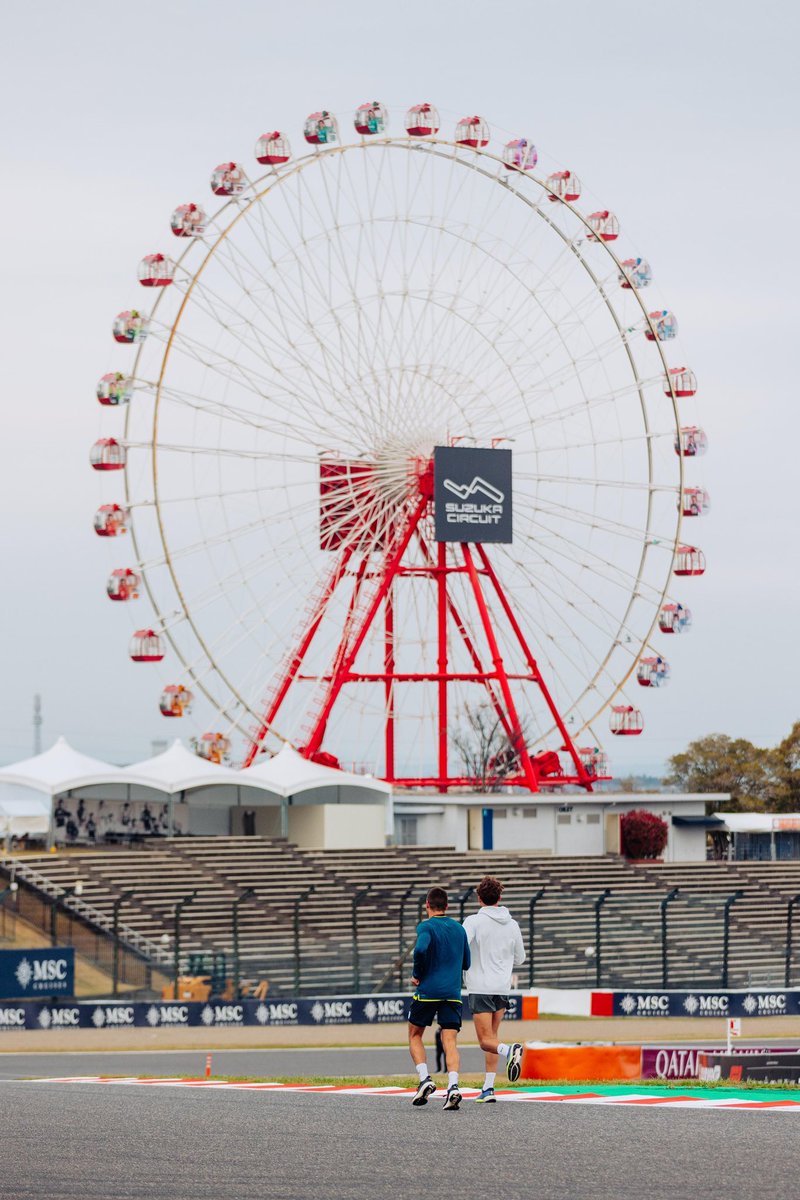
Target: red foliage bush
[644,835]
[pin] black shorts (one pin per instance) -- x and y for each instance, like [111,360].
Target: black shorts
[480,1003]
[425,1012]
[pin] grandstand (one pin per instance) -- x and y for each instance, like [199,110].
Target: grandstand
[352,931]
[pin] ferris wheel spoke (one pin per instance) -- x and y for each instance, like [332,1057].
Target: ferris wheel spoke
[644,485]
[587,560]
[284,306]
[562,612]
[595,521]
[223,452]
[322,386]
[225,410]
[269,351]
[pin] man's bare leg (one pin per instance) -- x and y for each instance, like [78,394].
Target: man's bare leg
[426,1087]
[451,1056]
[415,1044]
[487,1026]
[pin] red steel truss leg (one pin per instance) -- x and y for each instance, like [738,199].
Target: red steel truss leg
[518,740]
[441,606]
[580,769]
[296,660]
[348,649]
[470,647]
[388,666]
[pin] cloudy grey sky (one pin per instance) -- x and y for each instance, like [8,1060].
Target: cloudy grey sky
[683,118]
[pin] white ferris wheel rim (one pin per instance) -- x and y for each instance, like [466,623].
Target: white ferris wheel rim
[479,161]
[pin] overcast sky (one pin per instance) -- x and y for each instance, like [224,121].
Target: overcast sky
[683,118]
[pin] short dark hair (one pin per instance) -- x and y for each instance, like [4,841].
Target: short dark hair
[489,889]
[437,899]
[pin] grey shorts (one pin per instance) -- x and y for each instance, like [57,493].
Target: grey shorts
[479,1003]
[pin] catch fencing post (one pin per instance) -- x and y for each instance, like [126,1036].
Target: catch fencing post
[726,933]
[789,923]
[357,899]
[298,900]
[400,946]
[598,904]
[176,965]
[535,898]
[664,965]
[121,899]
[247,894]
[462,900]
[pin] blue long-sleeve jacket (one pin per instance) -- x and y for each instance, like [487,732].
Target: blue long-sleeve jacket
[440,956]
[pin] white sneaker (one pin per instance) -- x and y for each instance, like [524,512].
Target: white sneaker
[514,1062]
[425,1088]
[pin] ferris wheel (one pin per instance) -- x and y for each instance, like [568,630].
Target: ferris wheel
[399,442]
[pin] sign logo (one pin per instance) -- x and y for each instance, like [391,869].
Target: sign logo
[11,1018]
[333,1012]
[645,1004]
[472,494]
[384,1009]
[478,485]
[282,1013]
[30,972]
[765,1004]
[24,973]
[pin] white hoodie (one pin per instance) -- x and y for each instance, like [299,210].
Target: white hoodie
[495,942]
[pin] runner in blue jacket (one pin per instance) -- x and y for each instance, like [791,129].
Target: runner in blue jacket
[441,955]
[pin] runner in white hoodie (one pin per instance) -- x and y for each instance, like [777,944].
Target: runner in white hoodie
[495,942]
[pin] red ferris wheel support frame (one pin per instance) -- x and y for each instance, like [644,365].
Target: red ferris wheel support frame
[533,772]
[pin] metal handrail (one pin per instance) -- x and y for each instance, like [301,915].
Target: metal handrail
[131,937]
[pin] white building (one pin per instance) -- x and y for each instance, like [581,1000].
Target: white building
[583,824]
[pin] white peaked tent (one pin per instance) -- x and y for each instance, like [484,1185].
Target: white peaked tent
[178,770]
[23,811]
[27,788]
[289,774]
[59,769]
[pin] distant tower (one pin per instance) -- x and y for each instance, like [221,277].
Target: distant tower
[37,724]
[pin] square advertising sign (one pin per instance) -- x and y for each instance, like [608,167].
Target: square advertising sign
[472,494]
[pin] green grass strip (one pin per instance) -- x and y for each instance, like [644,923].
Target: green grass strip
[655,1088]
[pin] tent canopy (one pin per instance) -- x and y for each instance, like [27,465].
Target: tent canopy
[23,810]
[62,769]
[59,769]
[178,770]
[289,774]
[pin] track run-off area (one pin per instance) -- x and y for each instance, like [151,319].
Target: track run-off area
[134,1139]
[769,1099]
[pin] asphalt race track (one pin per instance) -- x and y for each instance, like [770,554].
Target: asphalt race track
[84,1140]
[267,1064]
[318,1061]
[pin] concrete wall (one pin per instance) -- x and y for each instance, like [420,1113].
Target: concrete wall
[267,820]
[337,826]
[204,821]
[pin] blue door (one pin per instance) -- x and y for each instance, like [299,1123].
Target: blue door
[488,829]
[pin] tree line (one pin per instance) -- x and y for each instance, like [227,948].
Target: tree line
[759,779]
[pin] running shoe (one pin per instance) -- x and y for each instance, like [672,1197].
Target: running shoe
[426,1088]
[453,1098]
[487,1096]
[514,1062]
